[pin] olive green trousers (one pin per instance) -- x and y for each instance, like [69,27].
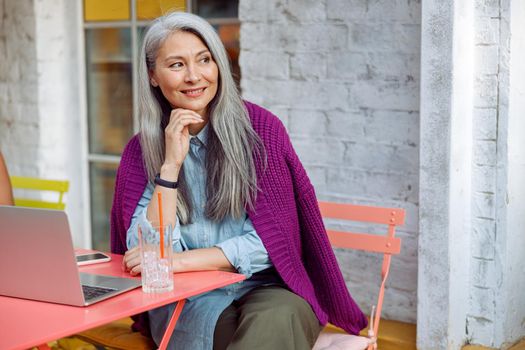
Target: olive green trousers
[267,318]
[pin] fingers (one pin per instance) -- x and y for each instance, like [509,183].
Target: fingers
[181,118]
[177,135]
[136,270]
[131,261]
[177,112]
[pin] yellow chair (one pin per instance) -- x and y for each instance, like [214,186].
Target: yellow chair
[36,184]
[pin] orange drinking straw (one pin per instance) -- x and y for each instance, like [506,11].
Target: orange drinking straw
[159,197]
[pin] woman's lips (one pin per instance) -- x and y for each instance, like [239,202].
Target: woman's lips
[193,92]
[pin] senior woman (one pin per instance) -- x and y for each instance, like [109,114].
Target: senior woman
[238,198]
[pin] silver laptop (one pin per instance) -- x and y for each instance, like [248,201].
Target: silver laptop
[37,261]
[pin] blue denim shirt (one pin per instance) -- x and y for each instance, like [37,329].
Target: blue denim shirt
[237,239]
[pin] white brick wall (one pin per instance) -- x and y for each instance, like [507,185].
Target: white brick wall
[344,78]
[41,130]
[19,127]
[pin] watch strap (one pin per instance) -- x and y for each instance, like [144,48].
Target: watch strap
[165,183]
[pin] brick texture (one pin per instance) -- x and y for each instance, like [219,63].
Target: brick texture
[345,73]
[40,114]
[19,126]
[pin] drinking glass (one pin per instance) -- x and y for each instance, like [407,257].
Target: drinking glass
[156,254]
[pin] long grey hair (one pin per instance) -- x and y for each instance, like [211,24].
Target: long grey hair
[231,184]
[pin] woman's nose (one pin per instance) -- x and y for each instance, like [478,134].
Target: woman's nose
[192,75]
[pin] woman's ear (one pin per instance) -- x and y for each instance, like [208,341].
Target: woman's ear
[152,80]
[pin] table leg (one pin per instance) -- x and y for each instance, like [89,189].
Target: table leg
[171,325]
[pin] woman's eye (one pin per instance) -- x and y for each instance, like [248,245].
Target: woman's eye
[176,65]
[206,59]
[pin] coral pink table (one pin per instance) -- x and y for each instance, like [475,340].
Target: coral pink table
[28,323]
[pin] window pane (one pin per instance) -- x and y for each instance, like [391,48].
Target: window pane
[102,184]
[106,10]
[150,9]
[110,121]
[216,8]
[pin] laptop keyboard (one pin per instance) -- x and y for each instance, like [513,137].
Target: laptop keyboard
[92,292]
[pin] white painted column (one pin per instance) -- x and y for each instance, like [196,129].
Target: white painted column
[445,173]
[61,118]
[510,203]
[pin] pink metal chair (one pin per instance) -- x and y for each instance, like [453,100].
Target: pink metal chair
[387,244]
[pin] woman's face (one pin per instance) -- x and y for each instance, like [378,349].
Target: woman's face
[185,72]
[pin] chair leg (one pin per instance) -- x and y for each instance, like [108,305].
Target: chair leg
[171,325]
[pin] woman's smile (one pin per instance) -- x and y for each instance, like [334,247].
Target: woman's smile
[193,93]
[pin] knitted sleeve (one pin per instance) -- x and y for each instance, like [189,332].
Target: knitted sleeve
[128,183]
[319,258]
[116,225]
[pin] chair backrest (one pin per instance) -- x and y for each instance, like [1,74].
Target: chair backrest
[386,244]
[30,183]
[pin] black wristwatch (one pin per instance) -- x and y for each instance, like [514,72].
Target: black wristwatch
[165,183]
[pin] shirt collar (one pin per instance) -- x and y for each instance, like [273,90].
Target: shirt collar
[202,136]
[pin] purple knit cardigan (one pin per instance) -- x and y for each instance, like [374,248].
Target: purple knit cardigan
[286,217]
